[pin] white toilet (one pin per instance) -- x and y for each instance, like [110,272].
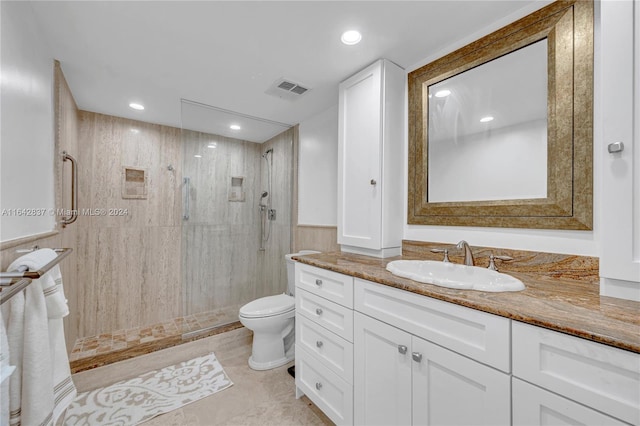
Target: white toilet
[271,319]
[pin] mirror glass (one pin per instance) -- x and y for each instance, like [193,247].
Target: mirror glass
[487,130]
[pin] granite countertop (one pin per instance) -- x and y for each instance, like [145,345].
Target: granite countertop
[570,306]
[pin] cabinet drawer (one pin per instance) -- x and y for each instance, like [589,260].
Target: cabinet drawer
[534,406]
[328,284]
[334,351]
[329,392]
[599,376]
[478,335]
[331,316]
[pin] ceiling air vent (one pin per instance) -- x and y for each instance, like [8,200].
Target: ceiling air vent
[286,89]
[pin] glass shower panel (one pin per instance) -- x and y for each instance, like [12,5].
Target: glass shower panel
[224,178]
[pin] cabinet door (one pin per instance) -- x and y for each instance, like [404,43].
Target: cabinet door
[533,406]
[359,148]
[382,373]
[620,223]
[449,389]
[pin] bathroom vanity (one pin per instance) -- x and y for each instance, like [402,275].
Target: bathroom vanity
[374,348]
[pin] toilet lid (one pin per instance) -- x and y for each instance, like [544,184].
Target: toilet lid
[268,306]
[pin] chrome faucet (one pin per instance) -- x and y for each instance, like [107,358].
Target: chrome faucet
[468,255]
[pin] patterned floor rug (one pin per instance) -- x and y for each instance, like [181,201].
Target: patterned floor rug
[133,401]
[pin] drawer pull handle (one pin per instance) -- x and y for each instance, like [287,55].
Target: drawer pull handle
[319,343]
[318,282]
[417,356]
[318,385]
[402,349]
[318,311]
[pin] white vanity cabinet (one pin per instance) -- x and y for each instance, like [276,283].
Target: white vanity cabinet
[324,340]
[401,376]
[401,379]
[601,377]
[369,354]
[370,158]
[620,221]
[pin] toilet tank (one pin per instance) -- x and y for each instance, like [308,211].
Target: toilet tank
[291,276]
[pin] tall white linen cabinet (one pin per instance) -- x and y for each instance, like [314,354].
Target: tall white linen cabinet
[370,157]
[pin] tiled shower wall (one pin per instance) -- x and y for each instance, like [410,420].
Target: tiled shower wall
[129,264]
[273,271]
[222,263]
[220,238]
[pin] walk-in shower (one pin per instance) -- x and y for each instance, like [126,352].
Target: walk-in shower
[236,209]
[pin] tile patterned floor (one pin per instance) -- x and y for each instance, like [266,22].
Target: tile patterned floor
[106,348]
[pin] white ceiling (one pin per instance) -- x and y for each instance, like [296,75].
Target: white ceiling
[227,53]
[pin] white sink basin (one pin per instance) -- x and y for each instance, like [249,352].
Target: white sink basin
[454,275]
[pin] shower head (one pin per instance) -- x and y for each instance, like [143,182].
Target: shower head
[267,152]
[264,194]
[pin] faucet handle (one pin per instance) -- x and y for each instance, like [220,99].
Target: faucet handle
[445,251]
[492,261]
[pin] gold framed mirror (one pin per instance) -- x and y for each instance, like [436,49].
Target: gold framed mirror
[485,149]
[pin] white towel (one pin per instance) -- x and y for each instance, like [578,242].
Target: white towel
[31,385]
[51,282]
[5,373]
[41,388]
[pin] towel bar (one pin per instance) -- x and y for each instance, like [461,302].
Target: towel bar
[18,280]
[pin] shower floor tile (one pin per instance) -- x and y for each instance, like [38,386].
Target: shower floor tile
[95,351]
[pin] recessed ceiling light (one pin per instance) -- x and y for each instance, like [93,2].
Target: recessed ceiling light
[235,127]
[198,156]
[486,119]
[136,106]
[443,93]
[351,37]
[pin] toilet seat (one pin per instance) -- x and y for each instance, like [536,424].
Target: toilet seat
[268,306]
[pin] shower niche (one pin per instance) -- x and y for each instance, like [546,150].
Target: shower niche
[236,189]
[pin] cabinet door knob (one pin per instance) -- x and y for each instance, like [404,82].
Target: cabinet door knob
[319,343]
[402,349]
[318,385]
[318,282]
[373,182]
[615,147]
[318,311]
[417,356]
